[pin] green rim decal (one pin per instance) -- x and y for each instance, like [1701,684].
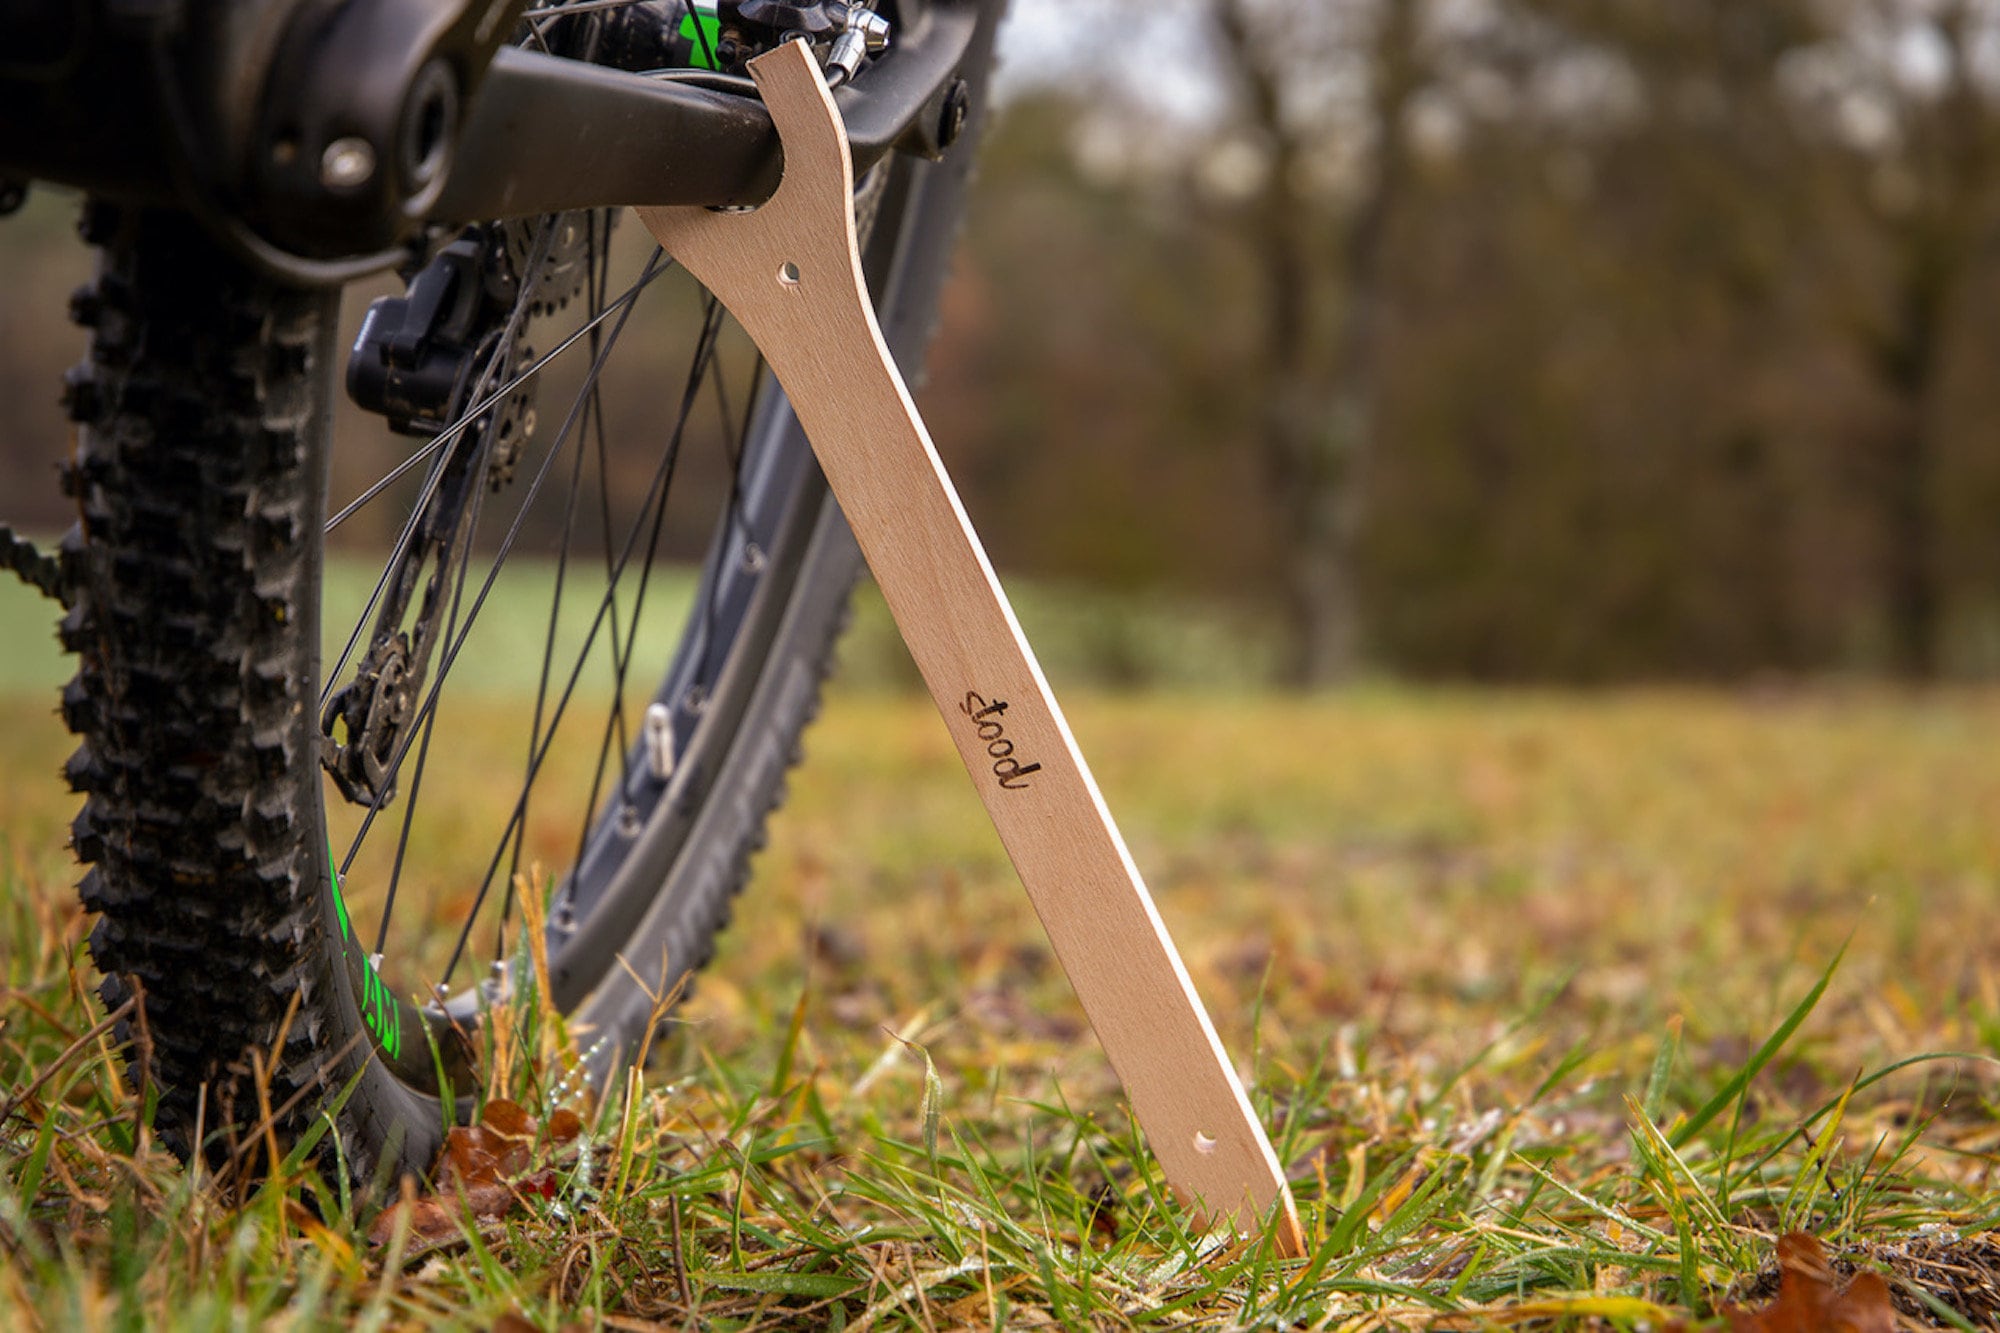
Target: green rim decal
[339,903]
[703,31]
[380,1009]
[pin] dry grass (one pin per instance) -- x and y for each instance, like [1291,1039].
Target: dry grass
[1543,996]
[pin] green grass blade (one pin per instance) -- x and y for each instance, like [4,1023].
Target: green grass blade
[1729,1092]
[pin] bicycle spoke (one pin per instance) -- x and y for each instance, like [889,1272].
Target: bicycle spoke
[712,325]
[655,504]
[432,480]
[579,7]
[593,418]
[538,253]
[424,749]
[657,489]
[472,414]
[434,448]
[621,663]
[617,649]
[513,532]
[571,646]
[615,722]
[706,614]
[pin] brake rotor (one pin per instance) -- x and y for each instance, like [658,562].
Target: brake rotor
[577,241]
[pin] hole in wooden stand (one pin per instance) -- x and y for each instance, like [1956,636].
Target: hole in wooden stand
[788,273]
[1204,1142]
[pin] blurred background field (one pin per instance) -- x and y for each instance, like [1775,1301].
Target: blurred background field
[1499,341]
[1508,340]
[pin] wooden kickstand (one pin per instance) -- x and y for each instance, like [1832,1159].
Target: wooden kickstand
[791,274]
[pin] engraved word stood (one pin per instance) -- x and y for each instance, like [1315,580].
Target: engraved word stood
[1013,774]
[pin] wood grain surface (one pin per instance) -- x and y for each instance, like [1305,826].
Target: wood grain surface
[791,274]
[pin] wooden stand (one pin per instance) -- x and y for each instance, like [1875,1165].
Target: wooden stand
[791,274]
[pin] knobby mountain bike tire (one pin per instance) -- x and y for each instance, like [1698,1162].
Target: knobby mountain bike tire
[204,433]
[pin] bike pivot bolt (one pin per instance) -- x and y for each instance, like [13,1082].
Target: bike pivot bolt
[957,107]
[346,163]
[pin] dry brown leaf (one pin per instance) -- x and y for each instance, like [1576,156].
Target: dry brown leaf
[497,1148]
[507,1119]
[564,1125]
[480,1170]
[1808,1300]
[474,1154]
[437,1216]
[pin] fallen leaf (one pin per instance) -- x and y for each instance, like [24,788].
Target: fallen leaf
[507,1119]
[496,1148]
[481,1171]
[438,1217]
[1808,1300]
[564,1125]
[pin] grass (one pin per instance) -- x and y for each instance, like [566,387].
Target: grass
[1560,1008]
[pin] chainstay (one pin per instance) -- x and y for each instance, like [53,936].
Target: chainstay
[33,566]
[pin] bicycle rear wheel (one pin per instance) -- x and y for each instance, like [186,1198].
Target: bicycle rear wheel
[252,910]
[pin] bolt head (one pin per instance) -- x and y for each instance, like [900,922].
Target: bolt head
[347,163]
[957,107]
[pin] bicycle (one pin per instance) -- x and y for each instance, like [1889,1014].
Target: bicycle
[242,162]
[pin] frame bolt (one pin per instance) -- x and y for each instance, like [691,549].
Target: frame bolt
[957,106]
[346,163]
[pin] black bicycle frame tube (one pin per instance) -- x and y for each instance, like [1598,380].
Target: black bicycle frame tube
[522,153]
[159,103]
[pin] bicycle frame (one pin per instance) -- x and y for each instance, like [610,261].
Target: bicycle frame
[316,136]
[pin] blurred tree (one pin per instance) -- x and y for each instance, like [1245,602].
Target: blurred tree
[1603,465]
[1915,117]
[1318,405]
